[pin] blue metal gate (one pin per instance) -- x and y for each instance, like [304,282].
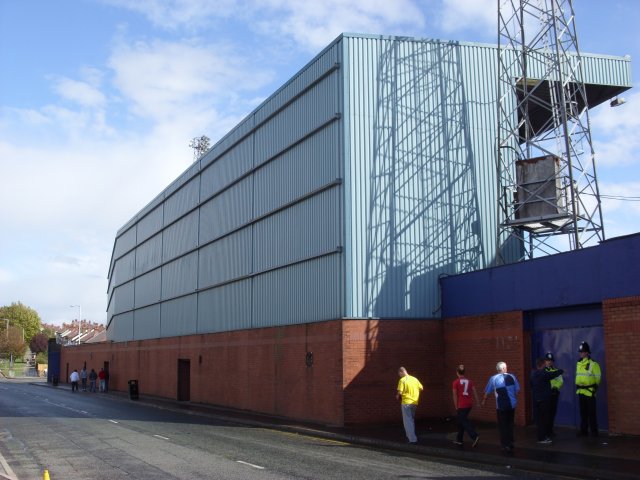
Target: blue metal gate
[557,332]
[53,367]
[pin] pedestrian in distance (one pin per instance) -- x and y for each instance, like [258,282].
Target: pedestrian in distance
[101,378]
[588,376]
[93,376]
[541,388]
[106,380]
[463,388]
[556,385]
[74,378]
[83,378]
[505,388]
[408,392]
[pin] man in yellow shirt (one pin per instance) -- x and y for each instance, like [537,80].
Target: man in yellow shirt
[408,392]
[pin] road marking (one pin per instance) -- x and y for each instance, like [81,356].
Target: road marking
[9,473]
[113,421]
[250,464]
[62,405]
[335,442]
[309,437]
[160,436]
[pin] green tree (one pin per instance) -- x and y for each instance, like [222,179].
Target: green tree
[42,358]
[50,333]
[19,315]
[11,342]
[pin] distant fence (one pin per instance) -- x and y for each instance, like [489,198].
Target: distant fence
[21,371]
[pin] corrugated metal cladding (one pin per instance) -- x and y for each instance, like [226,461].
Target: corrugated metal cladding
[256,223]
[420,176]
[347,193]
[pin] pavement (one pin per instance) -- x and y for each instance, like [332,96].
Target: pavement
[604,457]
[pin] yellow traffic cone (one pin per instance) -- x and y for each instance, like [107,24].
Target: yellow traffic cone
[46,475]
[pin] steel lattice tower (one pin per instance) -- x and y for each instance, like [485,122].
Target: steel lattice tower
[548,198]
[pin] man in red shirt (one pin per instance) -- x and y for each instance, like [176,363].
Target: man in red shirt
[462,401]
[102,377]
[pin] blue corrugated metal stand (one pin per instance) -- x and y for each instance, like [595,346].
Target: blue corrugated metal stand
[347,193]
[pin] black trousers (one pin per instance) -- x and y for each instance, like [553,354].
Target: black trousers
[588,415]
[555,398]
[464,424]
[505,426]
[543,417]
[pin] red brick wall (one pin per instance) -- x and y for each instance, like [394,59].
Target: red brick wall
[480,342]
[373,351]
[621,318]
[354,374]
[261,370]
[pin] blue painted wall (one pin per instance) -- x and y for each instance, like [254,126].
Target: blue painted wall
[587,276]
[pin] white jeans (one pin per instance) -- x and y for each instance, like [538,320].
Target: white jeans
[408,419]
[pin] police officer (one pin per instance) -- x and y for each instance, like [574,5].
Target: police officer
[556,385]
[587,382]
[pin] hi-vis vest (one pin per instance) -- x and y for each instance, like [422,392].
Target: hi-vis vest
[587,377]
[556,383]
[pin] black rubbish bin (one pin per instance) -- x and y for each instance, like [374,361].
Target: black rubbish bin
[55,380]
[133,389]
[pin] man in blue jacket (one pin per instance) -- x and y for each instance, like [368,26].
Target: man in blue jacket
[541,388]
[505,387]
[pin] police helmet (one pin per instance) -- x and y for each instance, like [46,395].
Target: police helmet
[584,347]
[549,356]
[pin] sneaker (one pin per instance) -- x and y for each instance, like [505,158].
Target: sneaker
[475,441]
[546,441]
[456,442]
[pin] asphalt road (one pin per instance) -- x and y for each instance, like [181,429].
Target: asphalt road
[97,436]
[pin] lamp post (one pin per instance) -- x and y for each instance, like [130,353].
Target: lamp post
[79,321]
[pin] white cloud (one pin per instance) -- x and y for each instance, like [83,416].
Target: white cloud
[615,132]
[162,79]
[314,24]
[478,16]
[174,14]
[628,190]
[82,93]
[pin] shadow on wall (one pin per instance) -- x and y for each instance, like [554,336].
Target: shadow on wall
[373,351]
[423,222]
[423,218]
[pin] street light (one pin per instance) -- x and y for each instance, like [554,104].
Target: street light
[79,320]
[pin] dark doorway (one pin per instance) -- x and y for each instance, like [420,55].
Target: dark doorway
[184,380]
[106,376]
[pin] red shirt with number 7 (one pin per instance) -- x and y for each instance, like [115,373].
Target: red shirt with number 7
[464,390]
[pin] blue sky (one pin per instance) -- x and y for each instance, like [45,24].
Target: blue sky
[100,98]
